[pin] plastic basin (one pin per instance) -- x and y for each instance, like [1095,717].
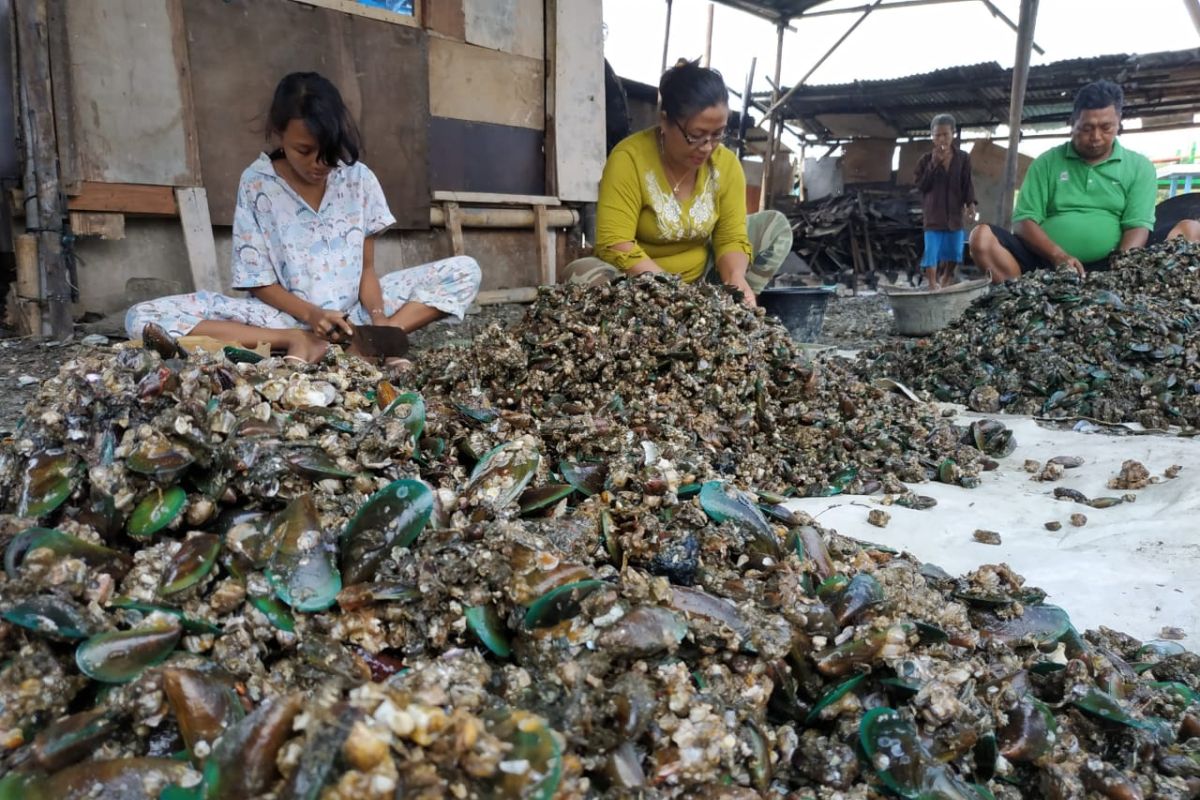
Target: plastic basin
[919,312]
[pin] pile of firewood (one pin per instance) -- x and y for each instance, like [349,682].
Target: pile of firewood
[857,237]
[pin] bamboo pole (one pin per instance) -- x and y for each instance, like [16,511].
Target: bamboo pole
[35,87]
[1016,108]
[764,195]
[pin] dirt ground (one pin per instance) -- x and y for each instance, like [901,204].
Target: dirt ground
[850,323]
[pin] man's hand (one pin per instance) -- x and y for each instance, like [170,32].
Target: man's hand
[329,324]
[1063,257]
[941,156]
[740,284]
[970,215]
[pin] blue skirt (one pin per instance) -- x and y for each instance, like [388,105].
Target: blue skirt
[943,246]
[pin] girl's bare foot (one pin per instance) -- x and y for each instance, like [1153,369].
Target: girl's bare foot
[307,346]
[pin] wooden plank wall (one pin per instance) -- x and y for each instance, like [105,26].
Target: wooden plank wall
[238,47]
[575,120]
[130,93]
[511,26]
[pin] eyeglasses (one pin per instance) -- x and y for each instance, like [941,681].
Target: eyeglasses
[699,141]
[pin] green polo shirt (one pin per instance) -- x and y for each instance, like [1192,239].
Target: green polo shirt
[1084,207]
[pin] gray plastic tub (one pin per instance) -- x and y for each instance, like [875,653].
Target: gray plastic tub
[919,312]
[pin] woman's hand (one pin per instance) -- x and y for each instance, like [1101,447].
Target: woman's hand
[329,324]
[740,284]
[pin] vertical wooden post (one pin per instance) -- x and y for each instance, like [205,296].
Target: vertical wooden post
[26,313]
[198,238]
[34,67]
[541,229]
[454,227]
[666,39]
[707,62]
[764,197]
[1016,108]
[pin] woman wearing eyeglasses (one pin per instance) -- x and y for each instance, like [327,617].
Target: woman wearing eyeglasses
[673,198]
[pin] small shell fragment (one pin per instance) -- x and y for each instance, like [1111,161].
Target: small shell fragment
[987,537]
[1054,525]
[1067,462]
[1078,520]
[879,518]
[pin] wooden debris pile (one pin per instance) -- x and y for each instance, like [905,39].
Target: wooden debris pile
[856,237]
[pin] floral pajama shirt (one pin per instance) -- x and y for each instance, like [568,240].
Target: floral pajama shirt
[315,255]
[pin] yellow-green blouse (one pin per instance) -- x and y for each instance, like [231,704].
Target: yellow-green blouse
[637,205]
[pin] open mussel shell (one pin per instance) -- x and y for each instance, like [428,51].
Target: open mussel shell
[50,616]
[722,501]
[64,545]
[558,604]
[121,656]
[392,517]
[301,568]
[48,481]
[161,460]
[275,612]
[833,696]
[191,564]
[503,472]
[156,511]
[409,408]
[588,478]
[485,623]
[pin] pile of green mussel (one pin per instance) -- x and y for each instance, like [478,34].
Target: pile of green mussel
[228,578]
[1116,346]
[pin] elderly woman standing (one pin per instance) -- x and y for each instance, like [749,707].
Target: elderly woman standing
[673,198]
[948,201]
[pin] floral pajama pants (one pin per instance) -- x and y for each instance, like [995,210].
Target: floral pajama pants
[449,285]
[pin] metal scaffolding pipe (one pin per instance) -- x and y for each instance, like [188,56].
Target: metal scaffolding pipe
[1016,108]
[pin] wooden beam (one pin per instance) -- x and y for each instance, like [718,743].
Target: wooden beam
[1028,21]
[25,312]
[198,237]
[125,198]
[485,198]
[1193,7]
[64,110]
[98,223]
[360,10]
[34,77]
[764,195]
[454,227]
[496,296]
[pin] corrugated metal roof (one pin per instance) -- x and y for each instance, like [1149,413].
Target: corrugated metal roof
[1158,86]
[774,10]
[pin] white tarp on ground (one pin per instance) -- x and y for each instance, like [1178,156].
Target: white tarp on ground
[1134,567]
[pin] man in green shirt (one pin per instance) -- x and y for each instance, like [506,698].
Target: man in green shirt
[1079,202]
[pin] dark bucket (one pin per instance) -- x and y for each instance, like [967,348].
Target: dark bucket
[801,309]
